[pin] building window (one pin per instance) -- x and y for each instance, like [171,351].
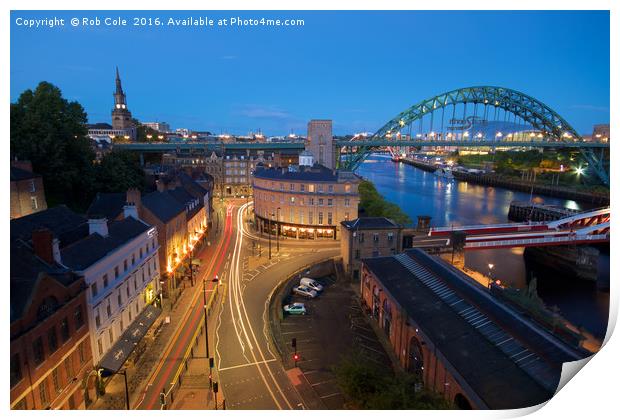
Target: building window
[311,188]
[43,393]
[119,298]
[141,252]
[56,380]
[311,201]
[82,353]
[302,187]
[116,272]
[105,281]
[329,218]
[346,216]
[390,236]
[320,201]
[33,188]
[320,218]
[37,351]
[111,335]
[330,202]
[301,217]
[330,188]
[347,202]
[124,266]
[375,237]
[100,346]
[97,318]
[93,289]
[16,369]
[291,218]
[347,188]
[52,340]
[64,330]
[357,254]
[109,309]
[310,218]
[79,318]
[292,187]
[293,201]
[320,188]
[133,260]
[33,203]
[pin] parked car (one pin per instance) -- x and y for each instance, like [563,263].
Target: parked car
[311,283]
[295,308]
[304,291]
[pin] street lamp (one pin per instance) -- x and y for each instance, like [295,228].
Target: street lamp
[490,274]
[278,230]
[269,232]
[204,300]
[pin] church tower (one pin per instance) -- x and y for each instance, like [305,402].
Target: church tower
[121,117]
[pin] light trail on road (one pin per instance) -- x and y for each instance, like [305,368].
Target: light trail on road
[180,341]
[241,320]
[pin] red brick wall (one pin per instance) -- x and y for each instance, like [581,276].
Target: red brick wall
[64,359]
[435,375]
[21,193]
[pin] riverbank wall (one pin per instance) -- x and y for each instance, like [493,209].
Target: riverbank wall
[496,180]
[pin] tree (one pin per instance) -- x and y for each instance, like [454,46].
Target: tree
[51,132]
[142,132]
[375,205]
[119,171]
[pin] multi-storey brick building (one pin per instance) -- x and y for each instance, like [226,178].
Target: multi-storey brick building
[367,237]
[27,193]
[456,338]
[50,351]
[306,202]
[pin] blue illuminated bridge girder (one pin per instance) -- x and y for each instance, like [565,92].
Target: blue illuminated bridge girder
[556,131]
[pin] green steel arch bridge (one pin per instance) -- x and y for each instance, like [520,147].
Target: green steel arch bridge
[484,103]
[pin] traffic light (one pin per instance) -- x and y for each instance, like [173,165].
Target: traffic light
[296,358]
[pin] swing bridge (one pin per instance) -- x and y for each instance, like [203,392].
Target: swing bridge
[433,123]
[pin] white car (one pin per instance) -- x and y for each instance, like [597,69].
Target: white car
[295,308]
[304,291]
[311,284]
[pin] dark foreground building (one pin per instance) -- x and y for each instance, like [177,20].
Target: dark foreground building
[457,338]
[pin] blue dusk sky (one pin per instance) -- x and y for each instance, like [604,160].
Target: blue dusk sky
[359,69]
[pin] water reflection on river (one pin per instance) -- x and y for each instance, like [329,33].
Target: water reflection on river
[460,203]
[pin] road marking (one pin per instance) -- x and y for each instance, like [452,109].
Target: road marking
[248,364]
[323,382]
[331,395]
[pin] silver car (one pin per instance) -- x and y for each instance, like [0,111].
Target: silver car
[304,291]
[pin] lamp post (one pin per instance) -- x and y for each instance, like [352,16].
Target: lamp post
[204,300]
[490,274]
[269,231]
[278,230]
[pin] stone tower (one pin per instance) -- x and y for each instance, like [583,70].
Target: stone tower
[121,117]
[321,142]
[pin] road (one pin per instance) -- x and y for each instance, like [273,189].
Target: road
[172,357]
[250,370]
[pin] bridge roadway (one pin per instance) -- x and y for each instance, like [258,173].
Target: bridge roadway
[298,146]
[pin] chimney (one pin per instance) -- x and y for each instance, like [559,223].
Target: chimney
[134,197]
[99,226]
[161,187]
[42,243]
[130,210]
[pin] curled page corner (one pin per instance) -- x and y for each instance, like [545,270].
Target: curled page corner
[570,369]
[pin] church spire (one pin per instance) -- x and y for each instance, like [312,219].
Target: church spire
[119,88]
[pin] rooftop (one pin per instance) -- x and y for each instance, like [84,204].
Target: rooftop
[369,223]
[65,224]
[85,252]
[109,205]
[19,174]
[163,205]
[315,173]
[507,361]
